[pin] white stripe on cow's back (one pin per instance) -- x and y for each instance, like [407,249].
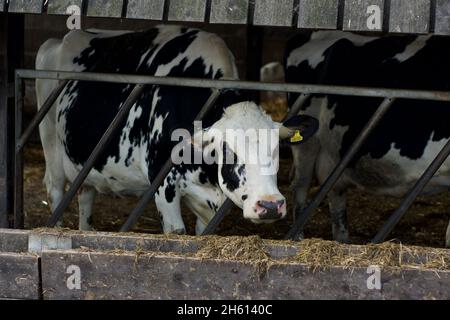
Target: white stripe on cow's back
[313,50]
[412,49]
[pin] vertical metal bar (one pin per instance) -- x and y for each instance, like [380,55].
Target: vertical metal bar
[255,44]
[11,49]
[298,104]
[40,115]
[4,111]
[149,194]
[339,170]
[98,150]
[395,218]
[18,157]
[218,217]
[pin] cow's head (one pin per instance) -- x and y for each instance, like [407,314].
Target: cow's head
[244,143]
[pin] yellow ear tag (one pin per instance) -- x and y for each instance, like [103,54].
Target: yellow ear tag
[297,137]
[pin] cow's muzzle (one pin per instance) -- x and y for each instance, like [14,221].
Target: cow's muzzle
[271,210]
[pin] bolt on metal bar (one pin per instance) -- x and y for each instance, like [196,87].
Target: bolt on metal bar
[18,158]
[162,174]
[240,85]
[40,115]
[298,104]
[395,218]
[340,168]
[99,148]
[218,217]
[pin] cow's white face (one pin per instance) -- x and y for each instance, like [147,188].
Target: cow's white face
[245,144]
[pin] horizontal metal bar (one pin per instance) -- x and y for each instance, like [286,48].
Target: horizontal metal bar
[40,115]
[163,172]
[218,217]
[99,148]
[339,170]
[413,194]
[235,84]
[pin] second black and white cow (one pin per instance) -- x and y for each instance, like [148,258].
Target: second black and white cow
[138,151]
[404,143]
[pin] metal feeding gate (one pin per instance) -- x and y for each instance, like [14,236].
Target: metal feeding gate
[21,269]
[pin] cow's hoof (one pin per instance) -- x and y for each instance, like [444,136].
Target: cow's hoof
[300,236]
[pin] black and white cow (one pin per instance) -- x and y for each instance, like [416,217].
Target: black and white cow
[138,151]
[404,143]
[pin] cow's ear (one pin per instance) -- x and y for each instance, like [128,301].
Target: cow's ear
[299,129]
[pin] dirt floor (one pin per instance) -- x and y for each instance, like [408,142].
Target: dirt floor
[424,225]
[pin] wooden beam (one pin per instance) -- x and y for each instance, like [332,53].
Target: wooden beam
[144,9]
[273,13]
[26,6]
[363,15]
[229,11]
[129,275]
[13,240]
[318,14]
[410,16]
[105,8]
[442,25]
[19,276]
[60,6]
[187,10]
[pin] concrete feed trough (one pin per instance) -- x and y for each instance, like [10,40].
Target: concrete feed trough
[57,264]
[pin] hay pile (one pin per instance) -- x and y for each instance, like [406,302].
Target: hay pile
[248,249]
[319,254]
[316,253]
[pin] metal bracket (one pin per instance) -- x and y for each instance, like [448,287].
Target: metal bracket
[40,242]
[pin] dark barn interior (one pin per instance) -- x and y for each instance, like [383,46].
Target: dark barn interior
[256,38]
[253,47]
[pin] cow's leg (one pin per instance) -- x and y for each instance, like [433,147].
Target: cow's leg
[54,178]
[447,237]
[85,204]
[200,226]
[338,212]
[168,202]
[304,158]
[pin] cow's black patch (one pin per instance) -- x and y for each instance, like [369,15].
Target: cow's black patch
[212,205]
[170,192]
[231,171]
[410,124]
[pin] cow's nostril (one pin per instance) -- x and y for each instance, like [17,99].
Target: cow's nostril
[268,205]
